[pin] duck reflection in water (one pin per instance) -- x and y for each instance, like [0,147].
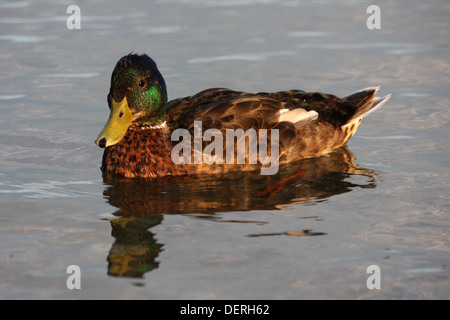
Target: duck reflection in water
[142,203]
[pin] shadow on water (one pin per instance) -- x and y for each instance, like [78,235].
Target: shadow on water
[142,204]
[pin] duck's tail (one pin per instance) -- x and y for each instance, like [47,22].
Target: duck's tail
[366,102]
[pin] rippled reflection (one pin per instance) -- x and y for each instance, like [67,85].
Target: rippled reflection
[142,204]
[135,250]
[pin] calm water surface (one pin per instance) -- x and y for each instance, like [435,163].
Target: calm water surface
[383,200]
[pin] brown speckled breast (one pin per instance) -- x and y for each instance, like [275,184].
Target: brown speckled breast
[143,152]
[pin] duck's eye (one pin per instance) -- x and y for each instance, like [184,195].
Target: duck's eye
[141,83]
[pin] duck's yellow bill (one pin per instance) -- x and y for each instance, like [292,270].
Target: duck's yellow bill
[117,125]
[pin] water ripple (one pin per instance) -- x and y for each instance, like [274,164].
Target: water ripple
[21,38]
[48,189]
[12,96]
[240,56]
[71,75]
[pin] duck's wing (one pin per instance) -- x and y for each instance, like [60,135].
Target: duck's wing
[226,109]
[222,109]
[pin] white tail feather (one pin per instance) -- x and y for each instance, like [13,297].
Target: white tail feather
[377,103]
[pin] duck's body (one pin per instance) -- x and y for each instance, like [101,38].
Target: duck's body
[308,124]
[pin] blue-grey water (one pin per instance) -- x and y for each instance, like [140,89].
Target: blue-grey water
[384,201]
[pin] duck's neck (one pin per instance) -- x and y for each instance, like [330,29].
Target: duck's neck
[154,119]
[154,113]
[148,125]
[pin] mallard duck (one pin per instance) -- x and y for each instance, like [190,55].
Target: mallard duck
[139,135]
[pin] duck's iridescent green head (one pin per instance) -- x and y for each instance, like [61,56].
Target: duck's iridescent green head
[137,94]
